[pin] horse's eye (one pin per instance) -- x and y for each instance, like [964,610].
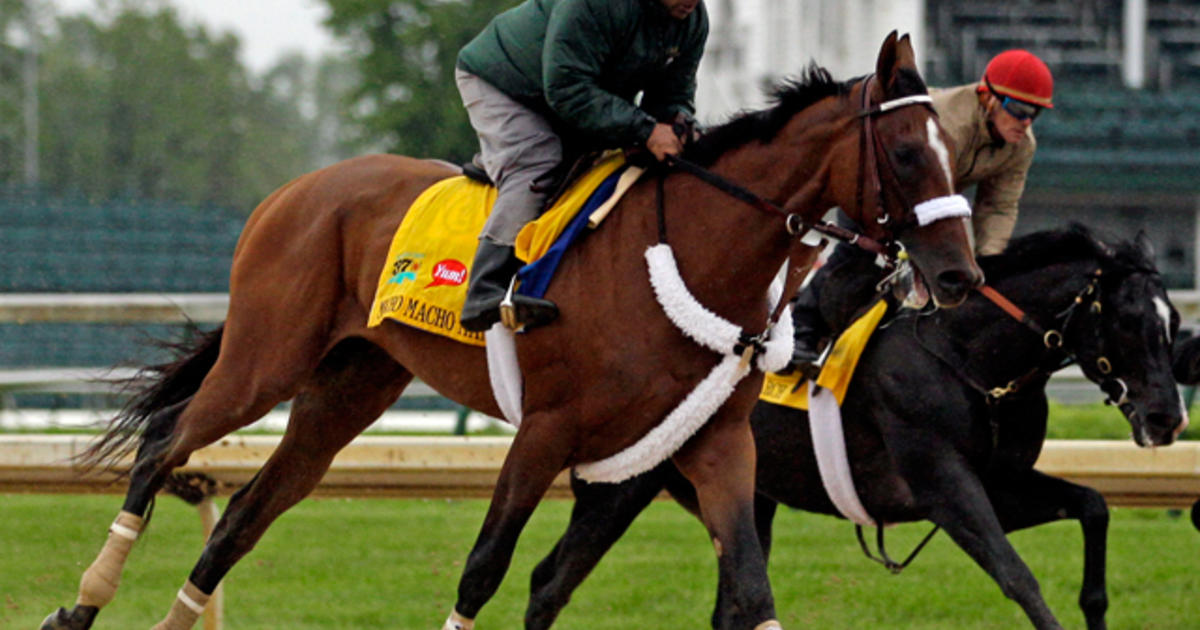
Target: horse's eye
[906,156]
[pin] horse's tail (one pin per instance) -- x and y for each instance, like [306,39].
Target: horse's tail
[153,389]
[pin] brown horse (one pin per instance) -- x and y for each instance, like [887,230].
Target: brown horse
[304,276]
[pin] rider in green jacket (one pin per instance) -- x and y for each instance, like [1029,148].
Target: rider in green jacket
[549,72]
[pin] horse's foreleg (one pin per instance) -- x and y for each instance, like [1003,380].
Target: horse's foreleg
[719,461]
[601,514]
[963,509]
[538,453]
[1031,498]
[353,385]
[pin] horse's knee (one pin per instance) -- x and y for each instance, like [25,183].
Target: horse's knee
[1093,511]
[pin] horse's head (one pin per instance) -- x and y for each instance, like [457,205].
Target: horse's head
[1121,329]
[895,177]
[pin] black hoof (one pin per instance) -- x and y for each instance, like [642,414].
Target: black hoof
[79,618]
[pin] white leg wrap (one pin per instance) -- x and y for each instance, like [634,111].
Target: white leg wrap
[185,610]
[99,583]
[458,622]
[769,625]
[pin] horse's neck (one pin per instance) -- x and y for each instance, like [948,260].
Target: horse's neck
[728,249]
[998,346]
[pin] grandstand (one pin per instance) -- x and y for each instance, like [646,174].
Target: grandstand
[1110,155]
[1082,40]
[51,244]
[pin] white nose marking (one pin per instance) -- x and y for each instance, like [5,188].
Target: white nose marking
[1164,312]
[939,147]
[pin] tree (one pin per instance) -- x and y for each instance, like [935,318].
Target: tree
[14,38]
[406,50]
[135,103]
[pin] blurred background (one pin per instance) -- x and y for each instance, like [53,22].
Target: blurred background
[137,135]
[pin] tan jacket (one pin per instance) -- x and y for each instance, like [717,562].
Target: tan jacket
[996,169]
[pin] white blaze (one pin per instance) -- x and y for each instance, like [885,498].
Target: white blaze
[939,147]
[1164,312]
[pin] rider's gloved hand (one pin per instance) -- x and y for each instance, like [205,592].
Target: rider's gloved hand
[663,142]
[686,128]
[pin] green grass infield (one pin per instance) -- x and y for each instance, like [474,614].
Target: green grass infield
[381,563]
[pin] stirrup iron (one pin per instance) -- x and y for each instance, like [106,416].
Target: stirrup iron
[508,308]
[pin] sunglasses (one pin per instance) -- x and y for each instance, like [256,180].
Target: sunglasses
[1019,109]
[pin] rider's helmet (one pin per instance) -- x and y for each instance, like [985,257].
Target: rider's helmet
[1019,75]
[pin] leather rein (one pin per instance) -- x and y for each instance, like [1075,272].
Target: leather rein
[870,168]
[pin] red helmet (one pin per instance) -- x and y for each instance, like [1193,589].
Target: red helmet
[1019,74]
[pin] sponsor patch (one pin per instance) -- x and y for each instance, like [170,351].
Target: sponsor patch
[448,272]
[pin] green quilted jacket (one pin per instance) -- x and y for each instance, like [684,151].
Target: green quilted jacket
[582,62]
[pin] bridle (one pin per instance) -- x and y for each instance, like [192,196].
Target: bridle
[870,166]
[881,232]
[1088,300]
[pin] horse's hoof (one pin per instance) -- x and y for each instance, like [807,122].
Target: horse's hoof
[57,620]
[79,618]
[458,622]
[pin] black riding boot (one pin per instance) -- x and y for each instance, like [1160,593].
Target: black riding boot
[491,275]
[810,329]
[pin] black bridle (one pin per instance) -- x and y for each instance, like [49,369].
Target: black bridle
[870,166]
[880,241]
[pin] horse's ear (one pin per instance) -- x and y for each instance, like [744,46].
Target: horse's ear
[887,59]
[1145,245]
[905,56]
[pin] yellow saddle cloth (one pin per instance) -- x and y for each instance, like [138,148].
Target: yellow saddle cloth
[424,281]
[785,389]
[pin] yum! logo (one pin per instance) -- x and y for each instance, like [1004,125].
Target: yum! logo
[448,272]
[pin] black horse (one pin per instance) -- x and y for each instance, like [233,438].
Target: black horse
[946,416]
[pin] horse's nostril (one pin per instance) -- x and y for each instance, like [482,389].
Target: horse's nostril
[1162,428]
[954,282]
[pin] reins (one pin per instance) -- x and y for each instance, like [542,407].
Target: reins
[792,221]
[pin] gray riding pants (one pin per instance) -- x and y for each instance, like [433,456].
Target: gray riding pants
[517,146]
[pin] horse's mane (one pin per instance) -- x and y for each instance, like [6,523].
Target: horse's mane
[1076,242]
[788,97]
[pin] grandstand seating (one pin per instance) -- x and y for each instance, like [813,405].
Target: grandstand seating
[1080,39]
[50,243]
[1101,134]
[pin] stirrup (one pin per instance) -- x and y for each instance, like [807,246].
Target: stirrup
[508,309]
[520,312]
